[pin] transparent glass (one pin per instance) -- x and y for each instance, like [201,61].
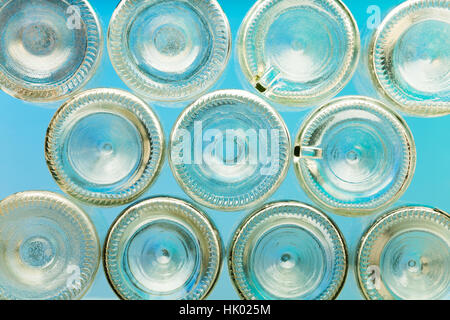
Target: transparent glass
[288,251]
[49,48]
[49,248]
[163,248]
[405,255]
[354,156]
[229,150]
[169,50]
[409,58]
[298,52]
[105,147]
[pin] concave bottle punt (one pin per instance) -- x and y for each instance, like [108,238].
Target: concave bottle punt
[170,50]
[105,147]
[354,156]
[288,250]
[405,255]
[163,248]
[298,52]
[229,150]
[410,57]
[48,49]
[49,248]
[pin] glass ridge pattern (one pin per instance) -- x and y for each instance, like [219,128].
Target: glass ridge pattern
[81,248]
[437,108]
[400,158]
[279,214]
[274,83]
[402,222]
[256,111]
[177,89]
[154,209]
[110,101]
[413,98]
[33,89]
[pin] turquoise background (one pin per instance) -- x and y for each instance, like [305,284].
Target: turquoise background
[22,164]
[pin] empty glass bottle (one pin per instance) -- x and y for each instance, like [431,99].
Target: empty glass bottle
[409,57]
[288,250]
[169,50]
[354,156]
[49,248]
[48,49]
[105,147]
[163,248]
[406,255]
[298,52]
[229,150]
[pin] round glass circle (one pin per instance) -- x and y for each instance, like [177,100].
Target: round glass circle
[162,248]
[354,156]
[288,251]
[229,150]
[298,52]
[405,256]
[172,50]
[410,57]
[105,147]
[49,248]
[49,48]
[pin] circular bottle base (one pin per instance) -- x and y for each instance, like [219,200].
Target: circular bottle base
[410,60]
[162,248]
[229,150]
[172,50]
[353,156]
[289,251]
[50,49]
[405,255]
[105,147]
[50,248]
[298,52]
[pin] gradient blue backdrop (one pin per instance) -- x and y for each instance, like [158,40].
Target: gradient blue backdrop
[22,164]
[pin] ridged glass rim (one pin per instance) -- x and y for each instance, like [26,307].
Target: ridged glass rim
[396,121]
[368,241]
[350,65]
[91,61]
[128,102]
[153,209]
[52,201]
[139,82]
[210,101]
[378,60]
[295,210]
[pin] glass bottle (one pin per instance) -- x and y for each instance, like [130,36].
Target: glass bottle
[409,57]
[48,49]
[288,251]
[406,255]
[169,50]
[229,150]
[163,248]
[299,52]
[105,147]
[354,156]
[49,248]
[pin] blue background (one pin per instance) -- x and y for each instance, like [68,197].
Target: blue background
[22,164]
